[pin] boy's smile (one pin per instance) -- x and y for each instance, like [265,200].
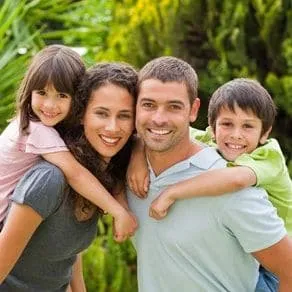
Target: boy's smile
[238,132]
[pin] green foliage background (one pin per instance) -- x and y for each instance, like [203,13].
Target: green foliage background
[221,39]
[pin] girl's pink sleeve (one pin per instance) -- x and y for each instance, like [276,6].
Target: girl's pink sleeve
[43,139]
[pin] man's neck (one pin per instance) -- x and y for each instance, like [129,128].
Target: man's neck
[160,161]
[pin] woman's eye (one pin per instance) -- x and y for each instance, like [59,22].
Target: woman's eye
[125,116]
[101,114]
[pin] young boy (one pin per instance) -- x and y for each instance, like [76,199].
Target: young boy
[241,114]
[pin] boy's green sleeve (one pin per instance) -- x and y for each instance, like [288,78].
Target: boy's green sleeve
[202,136]
[266,161]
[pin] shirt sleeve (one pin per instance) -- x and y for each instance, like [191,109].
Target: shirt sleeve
[43,139]
[202,136]
[266,161]
[251,218]
[42,188]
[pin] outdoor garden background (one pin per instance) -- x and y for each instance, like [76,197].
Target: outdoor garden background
[221,39]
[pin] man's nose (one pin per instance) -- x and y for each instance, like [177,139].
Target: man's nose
[159,117]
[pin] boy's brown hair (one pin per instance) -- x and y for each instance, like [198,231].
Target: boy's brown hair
[247,94]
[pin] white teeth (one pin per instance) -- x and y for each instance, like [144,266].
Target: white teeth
[49,115]
[233,146]
[109,140]
[160,132]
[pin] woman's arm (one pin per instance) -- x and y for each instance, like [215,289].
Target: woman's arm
[77,283]
[210,183]
[21,223]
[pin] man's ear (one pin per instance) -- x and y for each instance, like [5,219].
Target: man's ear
[265,136]
[195,109]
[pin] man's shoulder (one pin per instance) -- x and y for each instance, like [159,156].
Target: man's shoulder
[208,158]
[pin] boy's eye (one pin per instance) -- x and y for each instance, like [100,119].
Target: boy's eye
[226,124]
[248,126]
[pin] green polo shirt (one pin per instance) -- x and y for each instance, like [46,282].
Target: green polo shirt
[268,163]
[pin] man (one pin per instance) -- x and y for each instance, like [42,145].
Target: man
[208,243]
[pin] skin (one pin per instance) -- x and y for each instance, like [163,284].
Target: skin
[165,112]
[22,221]
[49,105]
[238,132]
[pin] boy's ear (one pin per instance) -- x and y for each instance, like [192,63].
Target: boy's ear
[265,136]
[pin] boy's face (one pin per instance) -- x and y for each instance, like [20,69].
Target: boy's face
[238,132]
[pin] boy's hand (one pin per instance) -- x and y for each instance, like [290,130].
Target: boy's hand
[138,180]
[124,226]
[160,206]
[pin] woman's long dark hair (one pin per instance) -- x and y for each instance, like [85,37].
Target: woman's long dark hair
[111,175]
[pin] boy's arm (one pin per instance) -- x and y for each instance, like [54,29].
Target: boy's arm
[210,183]
[77,282]
[88,186]
[138,173]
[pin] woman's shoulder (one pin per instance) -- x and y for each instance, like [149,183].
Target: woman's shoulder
[42,187]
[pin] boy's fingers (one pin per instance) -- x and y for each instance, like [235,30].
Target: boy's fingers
[146,184]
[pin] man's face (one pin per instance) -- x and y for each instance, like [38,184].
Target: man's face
[163,115]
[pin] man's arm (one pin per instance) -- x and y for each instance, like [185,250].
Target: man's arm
[77,283]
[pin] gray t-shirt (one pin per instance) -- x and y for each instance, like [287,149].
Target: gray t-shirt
[46,262]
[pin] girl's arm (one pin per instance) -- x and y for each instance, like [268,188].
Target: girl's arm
[77,283]
[87,185]
[21,223]
[138,173]
[211,183]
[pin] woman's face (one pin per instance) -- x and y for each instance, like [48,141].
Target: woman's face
[109,119]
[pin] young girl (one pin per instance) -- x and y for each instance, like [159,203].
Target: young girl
[45,98]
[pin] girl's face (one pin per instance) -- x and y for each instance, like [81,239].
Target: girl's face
[109,119]
[49,105]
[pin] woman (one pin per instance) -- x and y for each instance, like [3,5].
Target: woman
[48,225]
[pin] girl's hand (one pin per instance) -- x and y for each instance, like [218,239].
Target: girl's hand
[160,206]
[124,226]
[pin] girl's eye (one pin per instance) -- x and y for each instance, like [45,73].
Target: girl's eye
[41,92]
[64,95]
[226,124]
[247,126]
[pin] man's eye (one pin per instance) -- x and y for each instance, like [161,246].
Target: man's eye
[147,105]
